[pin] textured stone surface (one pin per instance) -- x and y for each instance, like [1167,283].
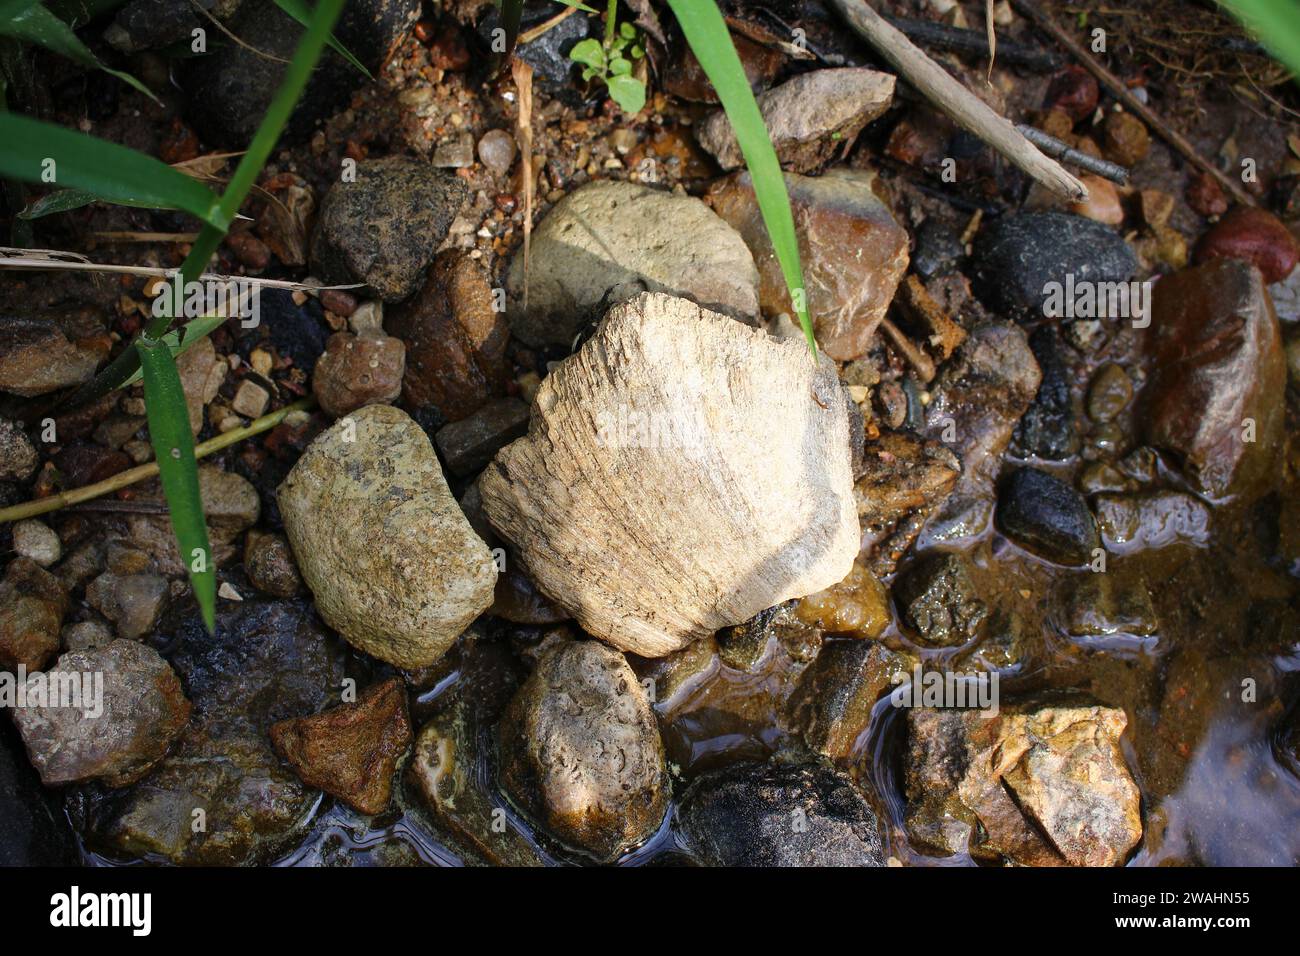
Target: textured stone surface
[809,117]
[774,815]
[580,750]
[607,241]
[144,709]
[39,355]
[383,228]
[455,340]
[350,751]
[852,251]
[1047,786]
[831,705]
[358,370]
[1217,364]
[32,605]
[939,600]
[681,473]
[393,564]
[17,453]
[1018,255]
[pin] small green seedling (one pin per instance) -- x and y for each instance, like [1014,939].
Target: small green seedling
[611,61]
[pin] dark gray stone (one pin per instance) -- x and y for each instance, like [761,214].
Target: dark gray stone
[779,815]
[938,599]
[1047,429]
[469,444]
[1017,255]
[1046,516]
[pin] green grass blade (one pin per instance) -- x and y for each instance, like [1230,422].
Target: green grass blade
[706,32]
[300,12]
[183,339]
[1274,23]
[30,22]
[310,47]
[65,200]
[109,171]
[173,446]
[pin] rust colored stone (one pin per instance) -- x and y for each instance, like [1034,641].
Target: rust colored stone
[1254,235]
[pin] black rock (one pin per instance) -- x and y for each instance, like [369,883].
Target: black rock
[1048,517]
[230,88]
[1017,256]
[939,250]
[776,815]
[297,331]
[548,55]
[33,829]
[1047,429]
[150,24]
[383,228]
[937,598]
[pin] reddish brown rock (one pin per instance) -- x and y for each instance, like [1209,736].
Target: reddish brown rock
[1103,203]
[1254,235]
[32,605]
[358,370]
[1074,91]
[685,77]
[351,750]
[854,254]
[455,340]
[1205,196]
[1214,398]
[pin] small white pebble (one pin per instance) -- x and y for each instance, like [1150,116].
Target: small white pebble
[228,592]
[34,539]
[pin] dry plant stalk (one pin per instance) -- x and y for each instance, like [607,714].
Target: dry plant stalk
[523,77]
[958,103]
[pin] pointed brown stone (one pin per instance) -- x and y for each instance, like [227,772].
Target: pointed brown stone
[350,751]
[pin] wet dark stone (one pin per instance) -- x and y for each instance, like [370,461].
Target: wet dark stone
[938,599]
[1047,429]
[1046,516]
[230,89]
[33,830]
[1018,255]
[268,661]
[939,250]
[150,24]
[776,815]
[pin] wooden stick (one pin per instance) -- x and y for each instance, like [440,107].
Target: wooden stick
[1115,86]
[123,479]
[962,106]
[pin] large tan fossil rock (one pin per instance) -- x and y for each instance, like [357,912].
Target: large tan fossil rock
[681,473]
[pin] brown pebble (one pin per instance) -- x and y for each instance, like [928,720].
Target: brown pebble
[1103,203]
[356,371]
[1205,195]
[251,251]
[1126,139]
[1254,235]
[1074,91]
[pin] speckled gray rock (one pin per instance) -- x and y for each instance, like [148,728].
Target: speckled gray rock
[779,815]
[580,750]
[809,118]
[17,453]
[384,228]
[133,602]
[386,551]
[1017,256]
[608,241]
[143,710]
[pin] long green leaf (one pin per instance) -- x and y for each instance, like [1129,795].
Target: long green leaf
[173,446]
[30,22]
[310,47]
[181,340]
[1274,23]
[300,12]
[38,152]
[706,32]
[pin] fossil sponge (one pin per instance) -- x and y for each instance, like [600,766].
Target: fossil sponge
[681,473]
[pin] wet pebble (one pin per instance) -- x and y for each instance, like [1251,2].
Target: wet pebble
[269,564]
[1046,516]
[939,601]
[357,371]
[1126,139]
[1109,393]
[32,605]
[1255,235]
[1074,91]
[496,150]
